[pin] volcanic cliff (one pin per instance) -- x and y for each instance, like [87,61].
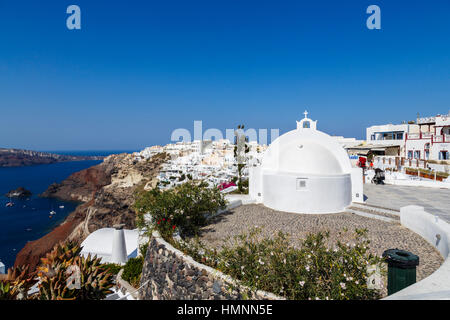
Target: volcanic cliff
[107,193]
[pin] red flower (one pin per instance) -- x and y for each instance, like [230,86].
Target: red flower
[164,219]
[173,227]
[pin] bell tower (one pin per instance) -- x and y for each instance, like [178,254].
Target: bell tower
[307,123]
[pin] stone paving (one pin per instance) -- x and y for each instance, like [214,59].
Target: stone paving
[383,235]
[435,201]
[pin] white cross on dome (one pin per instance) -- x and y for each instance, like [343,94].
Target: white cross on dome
[306,114]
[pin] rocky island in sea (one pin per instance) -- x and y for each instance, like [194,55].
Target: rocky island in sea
[20,192]
[19,157]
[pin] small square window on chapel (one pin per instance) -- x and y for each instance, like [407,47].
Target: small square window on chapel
[301,183]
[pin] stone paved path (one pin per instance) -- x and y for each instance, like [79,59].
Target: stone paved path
[435,201]
[383,235]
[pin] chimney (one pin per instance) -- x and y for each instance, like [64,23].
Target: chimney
[119,248]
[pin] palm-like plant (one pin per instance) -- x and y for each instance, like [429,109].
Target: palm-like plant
[65,275]
[16,284]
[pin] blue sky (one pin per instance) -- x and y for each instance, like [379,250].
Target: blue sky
[137,70]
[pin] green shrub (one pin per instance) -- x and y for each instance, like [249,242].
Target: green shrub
[132,271]
[185,207]
[143,249]
[311,271]
[112,268]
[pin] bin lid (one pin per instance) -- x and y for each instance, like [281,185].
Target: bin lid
[401,258]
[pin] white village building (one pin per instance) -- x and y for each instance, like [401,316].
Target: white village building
[432,141]
[306,171]
[428,138]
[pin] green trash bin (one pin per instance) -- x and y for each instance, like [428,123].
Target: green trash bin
[401,269]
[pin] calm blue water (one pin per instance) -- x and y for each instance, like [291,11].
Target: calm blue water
[29,218]
[102,153]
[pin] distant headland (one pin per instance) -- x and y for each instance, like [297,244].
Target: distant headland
[19,157]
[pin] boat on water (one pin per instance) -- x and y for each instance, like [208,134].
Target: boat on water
[52,212]
[10,203]
[61,207]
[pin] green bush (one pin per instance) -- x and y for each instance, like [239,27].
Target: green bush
[112,268]
[132,271]
[143,249]
[185,207]
[311,271]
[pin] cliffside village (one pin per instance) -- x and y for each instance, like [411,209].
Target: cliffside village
[211,161]
[421,142]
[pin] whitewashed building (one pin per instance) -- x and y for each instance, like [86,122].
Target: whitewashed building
[306,171]
[432,141]
[391,135]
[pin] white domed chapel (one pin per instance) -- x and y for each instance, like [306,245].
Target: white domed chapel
[306,171]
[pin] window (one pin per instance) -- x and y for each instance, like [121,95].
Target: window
[416,154]
[399,136]
[443,155]
[410,154]
[427,151]
[388,136]
[306,124]
[372,137]
[301,183]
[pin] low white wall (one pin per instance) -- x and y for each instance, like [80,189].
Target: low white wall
[255,183]
[436,232]
[357,185]
[418,183]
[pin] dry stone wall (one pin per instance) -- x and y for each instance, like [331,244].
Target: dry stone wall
[169,274]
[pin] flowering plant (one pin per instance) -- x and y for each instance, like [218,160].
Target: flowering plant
[311,271]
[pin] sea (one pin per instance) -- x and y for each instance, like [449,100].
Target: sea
[29,219]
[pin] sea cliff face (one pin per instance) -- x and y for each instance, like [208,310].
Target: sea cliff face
[106,192]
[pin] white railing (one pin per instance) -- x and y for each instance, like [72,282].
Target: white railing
[438,138]
[414,136]
[426,120]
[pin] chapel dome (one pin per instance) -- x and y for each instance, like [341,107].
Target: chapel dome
[306,151]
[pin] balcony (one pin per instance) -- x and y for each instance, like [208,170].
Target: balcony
[421,135]
[414,136]
[441,138]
